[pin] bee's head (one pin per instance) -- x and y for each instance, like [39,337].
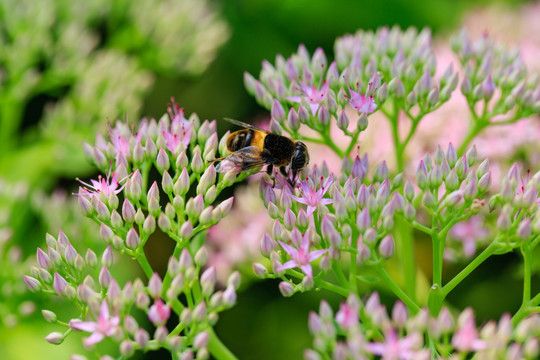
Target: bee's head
[300,158]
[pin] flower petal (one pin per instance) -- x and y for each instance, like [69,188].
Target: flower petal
[288,248]
[93,339]
[87,326]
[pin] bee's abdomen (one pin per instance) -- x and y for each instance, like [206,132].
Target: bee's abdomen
[239,140]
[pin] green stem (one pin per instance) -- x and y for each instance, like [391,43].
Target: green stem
[217,348]
[490,250]
[527,273]
[352,268]
[410,303]
[437,258]
[404,237]
[340,275]
[526,310]
[141,258]
[395,134]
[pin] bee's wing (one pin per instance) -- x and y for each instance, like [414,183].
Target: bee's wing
[245,158]
[245,125]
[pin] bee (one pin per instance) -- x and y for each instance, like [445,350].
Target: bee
[253,147]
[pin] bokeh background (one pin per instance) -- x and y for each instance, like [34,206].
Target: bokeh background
[68,67]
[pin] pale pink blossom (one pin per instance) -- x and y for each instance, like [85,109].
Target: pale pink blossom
[301,257]
[466,336]
[312,197]
[104,326]
[312,95]
[394,348]
[106,186]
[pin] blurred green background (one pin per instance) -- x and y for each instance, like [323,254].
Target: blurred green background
[45,148]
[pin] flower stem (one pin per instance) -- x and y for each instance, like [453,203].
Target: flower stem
[527,267]
[437,253]
[524,311]
[490,250]
[404,238]
[410,303]
[141,258]
[217,348]
[340,275]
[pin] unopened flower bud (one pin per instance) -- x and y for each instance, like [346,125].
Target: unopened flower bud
[524,229]
[362,122]
[229,296]
[162,161]
[32,283]
[141,337]
[286,289]
[343,120]
[197,164]
[55,338]
[259,270]
[128,211]
[149,225]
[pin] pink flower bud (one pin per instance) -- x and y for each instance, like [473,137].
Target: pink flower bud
[267,244]
[32,283]
[201,340]
[55,338]
[400,314]
[162,161]
[229,296]
[225,206]
[107,257]
[149,225]
[386,247]
[259,270]
[286,289]
[59,284]
[159,313]
[208,281]
[43,259]
[104,277]
[132,239]
[186,230]
[197,164]
[141,337]
[208,179]
[199,313]
[155,285]
[185,261]
[128,211]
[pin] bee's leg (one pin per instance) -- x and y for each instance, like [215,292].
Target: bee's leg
[283,172]
[270,172]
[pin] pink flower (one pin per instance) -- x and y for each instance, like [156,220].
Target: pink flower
[180,129]
[105,186]
[312,197]
[314,96]
[346,317]
[121,144]
[394,347]
[362,103]
[466,337]
[301,257]
[104,326]
[159,312]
